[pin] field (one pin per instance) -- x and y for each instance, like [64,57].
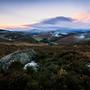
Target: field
[60,68]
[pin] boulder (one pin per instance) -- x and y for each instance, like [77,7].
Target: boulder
[23,56]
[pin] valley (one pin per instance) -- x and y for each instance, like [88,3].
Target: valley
[44,38]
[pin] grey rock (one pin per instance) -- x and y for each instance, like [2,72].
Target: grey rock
[23,56]
[32,64]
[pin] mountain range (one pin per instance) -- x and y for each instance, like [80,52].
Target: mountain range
[58,30]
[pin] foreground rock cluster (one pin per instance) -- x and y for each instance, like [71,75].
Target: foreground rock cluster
[22,56]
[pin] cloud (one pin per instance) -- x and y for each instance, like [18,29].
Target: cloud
[56,23]
[85,17]
[57,19]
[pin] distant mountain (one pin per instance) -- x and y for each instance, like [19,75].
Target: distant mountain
[57,19]
[63,24]
[15,36]
[55,37]
[58,30]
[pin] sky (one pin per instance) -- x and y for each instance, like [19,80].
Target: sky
[15,13]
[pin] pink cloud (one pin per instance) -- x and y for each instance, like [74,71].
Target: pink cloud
[85,17]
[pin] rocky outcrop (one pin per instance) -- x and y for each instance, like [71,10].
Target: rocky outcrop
[23,56]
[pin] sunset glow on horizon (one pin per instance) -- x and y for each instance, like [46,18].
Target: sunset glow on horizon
[15,13]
